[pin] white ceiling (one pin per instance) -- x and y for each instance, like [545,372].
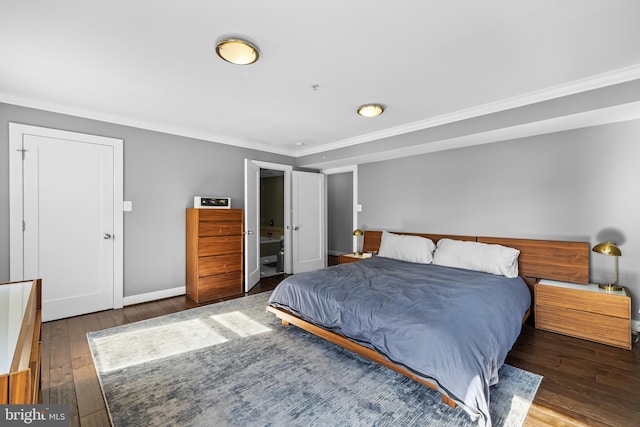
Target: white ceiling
[151,63]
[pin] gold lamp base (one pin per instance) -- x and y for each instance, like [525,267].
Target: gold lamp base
[610,287]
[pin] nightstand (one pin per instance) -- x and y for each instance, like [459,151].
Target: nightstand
[584,311]
[345,258]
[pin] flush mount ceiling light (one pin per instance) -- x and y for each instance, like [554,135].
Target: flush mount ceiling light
[371,110]
[237,51]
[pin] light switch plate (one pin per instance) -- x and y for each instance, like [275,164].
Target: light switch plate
[127,206]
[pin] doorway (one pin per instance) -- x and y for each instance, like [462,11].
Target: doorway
[272,214]
[304,220]
[342,210]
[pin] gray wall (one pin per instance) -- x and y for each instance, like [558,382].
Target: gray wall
[574,185]
[340,212]
[162,173]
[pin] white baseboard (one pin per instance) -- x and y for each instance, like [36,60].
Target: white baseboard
[152,296]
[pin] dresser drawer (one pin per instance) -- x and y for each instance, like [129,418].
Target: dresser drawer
[581,324]
[219,285]
[208,246]
[219,264]
[610,305]
[207,215]
[219,229]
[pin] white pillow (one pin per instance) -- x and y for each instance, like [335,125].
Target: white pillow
[406,248]
[495,259]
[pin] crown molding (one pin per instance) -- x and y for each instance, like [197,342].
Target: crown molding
[140,124]
[598,81]
[618,113]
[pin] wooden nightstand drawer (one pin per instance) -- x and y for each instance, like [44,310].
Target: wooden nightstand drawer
[584,311]
[610,305]
[581,324]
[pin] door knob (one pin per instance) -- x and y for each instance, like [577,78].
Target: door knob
[106,236]
[249,232]
[296,228]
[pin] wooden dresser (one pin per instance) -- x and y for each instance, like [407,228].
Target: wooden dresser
[214,253]
[22,321]
[584,311]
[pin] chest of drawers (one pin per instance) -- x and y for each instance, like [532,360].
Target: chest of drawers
[214,253]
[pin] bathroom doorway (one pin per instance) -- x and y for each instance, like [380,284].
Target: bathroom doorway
[272,222]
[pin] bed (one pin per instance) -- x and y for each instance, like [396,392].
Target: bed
[446,327]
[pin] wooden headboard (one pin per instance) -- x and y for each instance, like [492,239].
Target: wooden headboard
[539,259]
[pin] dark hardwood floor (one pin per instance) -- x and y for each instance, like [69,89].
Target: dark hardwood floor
[584,383]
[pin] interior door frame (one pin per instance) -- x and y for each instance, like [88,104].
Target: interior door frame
[16,213]
[288,263]
[356,206]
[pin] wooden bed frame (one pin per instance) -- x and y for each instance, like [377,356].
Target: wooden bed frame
[539,259]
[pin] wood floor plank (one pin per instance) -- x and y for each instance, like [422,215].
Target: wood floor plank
[88,392]
[97,419]
[132,314]
[60,365]
[106,319]
[45,351]
[75,327]
[91,322]
[66,395]
[59,328]
[80,353]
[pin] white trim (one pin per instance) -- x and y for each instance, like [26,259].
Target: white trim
[16,214]
[598,81]
[591,83]
[274,166]
[140,124]
[153,296]
[617,113]
[16,249]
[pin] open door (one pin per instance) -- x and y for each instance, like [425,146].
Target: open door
[308,221]
[251,224]
[305,238]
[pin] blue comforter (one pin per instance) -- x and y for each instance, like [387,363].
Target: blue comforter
[450,326]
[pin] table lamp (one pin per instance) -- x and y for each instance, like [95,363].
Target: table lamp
[359,236]
[613,250]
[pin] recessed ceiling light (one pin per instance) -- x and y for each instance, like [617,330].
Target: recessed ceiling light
[300,144]
[371,110]
[237,51]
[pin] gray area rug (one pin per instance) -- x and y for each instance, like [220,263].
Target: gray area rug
[234,364]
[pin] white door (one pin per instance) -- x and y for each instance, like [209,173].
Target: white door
[251,224]
[308,221]
[71,219]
